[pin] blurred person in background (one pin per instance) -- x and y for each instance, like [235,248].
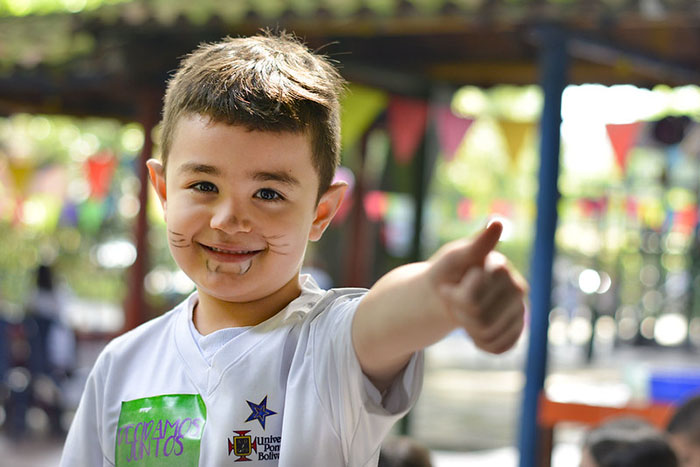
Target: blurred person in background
[51,344]
[403,451]
[684,432]
[627,442]
[5,362]
[17,396]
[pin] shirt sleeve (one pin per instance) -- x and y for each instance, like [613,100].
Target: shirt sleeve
[360,414]
[83,446]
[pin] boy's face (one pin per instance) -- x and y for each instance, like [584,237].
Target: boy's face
[240,207]
[686,450]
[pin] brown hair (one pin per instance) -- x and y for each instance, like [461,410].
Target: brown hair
[686,419]
[264,83]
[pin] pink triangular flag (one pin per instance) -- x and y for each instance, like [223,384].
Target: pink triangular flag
[451,130]
[622,137]
[407,119]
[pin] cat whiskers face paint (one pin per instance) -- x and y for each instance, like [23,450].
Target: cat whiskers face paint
[178,240]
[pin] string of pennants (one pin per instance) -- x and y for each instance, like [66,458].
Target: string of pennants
[406,122]
[649,211]
[407,119]
[45,196]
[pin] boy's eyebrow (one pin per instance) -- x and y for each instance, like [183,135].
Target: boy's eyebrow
[275,176]
[261,176]
[194,167]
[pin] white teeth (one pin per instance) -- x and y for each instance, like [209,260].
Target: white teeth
[219,250]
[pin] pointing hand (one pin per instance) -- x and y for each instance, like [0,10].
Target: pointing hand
[480,291]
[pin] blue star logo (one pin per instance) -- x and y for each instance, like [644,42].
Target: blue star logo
[260,412]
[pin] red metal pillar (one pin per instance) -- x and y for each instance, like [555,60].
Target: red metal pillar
[358,254]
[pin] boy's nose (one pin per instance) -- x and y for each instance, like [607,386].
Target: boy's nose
[230,218]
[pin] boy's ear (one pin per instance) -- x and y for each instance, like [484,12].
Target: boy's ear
[327,207]
[156,173]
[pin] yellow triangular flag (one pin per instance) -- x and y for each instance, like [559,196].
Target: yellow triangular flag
[515,134]
[360,107]
[21,171]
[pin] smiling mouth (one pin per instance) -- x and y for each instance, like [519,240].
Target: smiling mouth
[242,259]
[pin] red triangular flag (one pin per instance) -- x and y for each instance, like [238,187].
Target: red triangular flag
[622,137]
[451,130]
[99,169]
[407,119]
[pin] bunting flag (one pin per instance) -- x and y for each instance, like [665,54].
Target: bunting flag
[652,213]
[99,170]
[69,214]
[464,209]
[6,201]
[90,216]
[360,108]
[514,134]
[51,180]
[622,138]
[632,207]
[406,120]
[685,220]
[451,130]
[376,205]
[593,207]
[21,172]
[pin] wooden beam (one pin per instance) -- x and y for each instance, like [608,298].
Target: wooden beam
[135,306]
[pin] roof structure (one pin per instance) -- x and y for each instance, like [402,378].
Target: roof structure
[102,60]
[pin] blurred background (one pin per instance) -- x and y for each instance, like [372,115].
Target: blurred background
[573,122]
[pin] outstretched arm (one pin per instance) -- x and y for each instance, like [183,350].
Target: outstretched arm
[465,284]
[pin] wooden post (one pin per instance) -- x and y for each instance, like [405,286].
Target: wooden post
[135,308]
[358,254]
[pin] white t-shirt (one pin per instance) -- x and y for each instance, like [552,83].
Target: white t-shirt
[287,392]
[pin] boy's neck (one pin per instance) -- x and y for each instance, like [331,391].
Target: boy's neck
[211,314]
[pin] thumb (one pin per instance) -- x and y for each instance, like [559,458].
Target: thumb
[484,243]
[464,254]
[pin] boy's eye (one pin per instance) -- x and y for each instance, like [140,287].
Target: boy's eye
[205,187]
[268,195]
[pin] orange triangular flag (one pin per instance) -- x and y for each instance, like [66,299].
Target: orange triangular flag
[622,137]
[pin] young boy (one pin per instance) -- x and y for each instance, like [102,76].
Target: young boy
[684,432]
[259,364]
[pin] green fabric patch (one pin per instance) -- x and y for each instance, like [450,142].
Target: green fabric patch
[160,431]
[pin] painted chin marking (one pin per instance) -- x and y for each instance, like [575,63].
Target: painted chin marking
[245,266]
